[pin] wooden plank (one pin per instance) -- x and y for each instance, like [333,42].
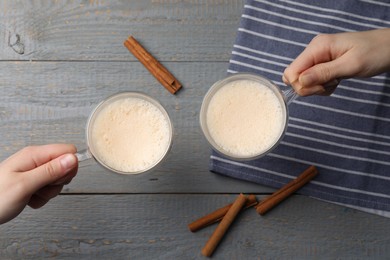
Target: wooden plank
[155,227]
[79,44]
[95,30]
[49,102]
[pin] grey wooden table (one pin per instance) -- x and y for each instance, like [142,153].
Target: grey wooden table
[58,59]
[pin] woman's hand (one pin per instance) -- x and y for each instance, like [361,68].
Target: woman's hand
[33,176]
[331,57]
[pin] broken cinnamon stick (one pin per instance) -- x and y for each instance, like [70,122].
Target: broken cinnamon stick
[218,214]
[223,226]
[268,203]
[154,67]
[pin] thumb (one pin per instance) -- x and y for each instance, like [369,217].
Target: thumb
[319,74]
[51,171]
[323,73]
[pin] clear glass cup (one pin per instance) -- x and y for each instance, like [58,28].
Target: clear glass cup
[284,98]
[91,151]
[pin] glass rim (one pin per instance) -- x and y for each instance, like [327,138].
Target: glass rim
[119,96]
[221,83]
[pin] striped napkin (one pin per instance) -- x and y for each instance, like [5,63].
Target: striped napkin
[346,135]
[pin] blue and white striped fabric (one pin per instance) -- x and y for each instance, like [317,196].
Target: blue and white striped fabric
[346,135]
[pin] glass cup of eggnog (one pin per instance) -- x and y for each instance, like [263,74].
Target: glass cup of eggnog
[244,116]
[128,133]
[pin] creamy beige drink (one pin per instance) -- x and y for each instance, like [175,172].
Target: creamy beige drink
[244,118]
[130,134]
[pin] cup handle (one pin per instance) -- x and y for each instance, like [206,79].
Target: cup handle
[83,157]
[290,95]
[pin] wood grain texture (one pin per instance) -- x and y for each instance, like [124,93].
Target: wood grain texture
[49,102]
[58,59]
[95,30]
[155,227]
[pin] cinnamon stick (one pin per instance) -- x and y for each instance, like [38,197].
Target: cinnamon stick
[223,226]
[154,67]
[218,214]
[268,203]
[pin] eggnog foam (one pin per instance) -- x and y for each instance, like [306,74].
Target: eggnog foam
[245,118]
[130,135]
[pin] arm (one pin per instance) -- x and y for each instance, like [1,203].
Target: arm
[33,176]
[331,57]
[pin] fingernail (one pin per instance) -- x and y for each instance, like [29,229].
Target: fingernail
[307,79]
[285,80]
[68,161]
